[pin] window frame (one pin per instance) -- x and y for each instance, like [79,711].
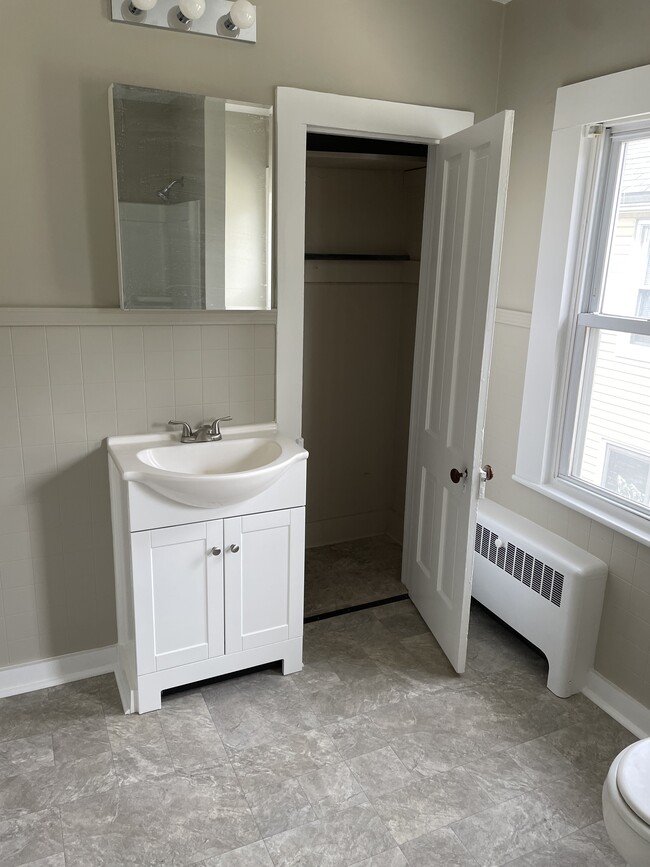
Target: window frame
[590,289]
[567,232]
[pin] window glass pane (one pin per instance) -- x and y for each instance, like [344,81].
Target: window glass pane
[627,266]
[612,437]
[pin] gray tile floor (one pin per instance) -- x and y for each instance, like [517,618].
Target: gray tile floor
[352,573]
[376,754]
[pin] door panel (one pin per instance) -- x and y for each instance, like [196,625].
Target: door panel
[178,582]
[466,189]
[261,578]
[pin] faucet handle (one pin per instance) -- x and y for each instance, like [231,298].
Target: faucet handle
[187,430]
[215,430]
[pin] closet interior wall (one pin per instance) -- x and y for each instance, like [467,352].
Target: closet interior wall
[359,338]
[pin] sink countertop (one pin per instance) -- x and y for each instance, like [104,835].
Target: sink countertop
[245,462]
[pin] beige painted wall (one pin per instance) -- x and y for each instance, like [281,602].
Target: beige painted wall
[547,45]
[359,340]
[57,240]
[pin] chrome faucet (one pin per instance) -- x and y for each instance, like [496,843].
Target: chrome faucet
[204,433]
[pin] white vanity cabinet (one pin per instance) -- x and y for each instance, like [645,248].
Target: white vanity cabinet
[202,592]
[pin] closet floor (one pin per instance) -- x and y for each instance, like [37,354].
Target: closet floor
[352,573]
[375,755]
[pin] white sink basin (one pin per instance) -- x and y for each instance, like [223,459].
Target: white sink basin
[209,474]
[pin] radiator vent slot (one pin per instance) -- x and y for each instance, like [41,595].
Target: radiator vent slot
[540,577]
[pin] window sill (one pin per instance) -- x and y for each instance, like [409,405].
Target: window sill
[593,507]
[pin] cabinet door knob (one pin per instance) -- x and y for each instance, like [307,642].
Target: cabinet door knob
[234,548]
[215,552]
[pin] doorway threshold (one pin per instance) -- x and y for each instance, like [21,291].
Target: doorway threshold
[352,608]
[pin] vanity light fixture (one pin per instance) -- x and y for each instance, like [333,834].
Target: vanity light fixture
[190,10]
[137,7]
[241,16]
[228,19]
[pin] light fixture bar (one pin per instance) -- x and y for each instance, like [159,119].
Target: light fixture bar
[214,21]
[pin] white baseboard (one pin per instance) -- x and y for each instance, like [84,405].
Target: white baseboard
[30,676]
[618,704]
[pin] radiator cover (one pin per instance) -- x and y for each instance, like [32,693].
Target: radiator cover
[547,589]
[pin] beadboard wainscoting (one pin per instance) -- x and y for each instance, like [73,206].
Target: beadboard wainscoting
[63,389]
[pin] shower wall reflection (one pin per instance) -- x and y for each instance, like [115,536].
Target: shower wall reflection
[193,187]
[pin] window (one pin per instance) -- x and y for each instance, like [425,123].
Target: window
[584,437]
[608,399]
[627,474]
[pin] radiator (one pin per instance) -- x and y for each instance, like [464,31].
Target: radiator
[547,589]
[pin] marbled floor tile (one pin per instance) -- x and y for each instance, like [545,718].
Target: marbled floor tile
[500,777]
[598,836]
[356,736]
[249,716]
[516,827]
[391,858]
[280,806]
[430,752]
[78,740]
[351,699]
[332,789]
[541,761]
[351,669]
[440,848]
[319,675]
[578,797]
[284,759]
[175,820]
[253,855]
[592,746]
[50,861]
[402,620]
[571,851]
[352,573]
[190,733]
[29,838]
[140,751]
[430,804]
[44,711]
[527,693]
[347,837]
[55,785]
[380,772]
[25,754]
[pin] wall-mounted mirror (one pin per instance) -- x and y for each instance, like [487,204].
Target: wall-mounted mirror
[192,181]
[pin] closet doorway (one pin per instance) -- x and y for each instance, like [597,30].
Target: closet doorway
[462,229]
[363,235]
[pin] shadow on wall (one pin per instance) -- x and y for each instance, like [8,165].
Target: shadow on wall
[73,557]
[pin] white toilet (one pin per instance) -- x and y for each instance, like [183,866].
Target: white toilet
[626,803]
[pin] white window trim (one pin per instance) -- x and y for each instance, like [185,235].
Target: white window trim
[610,98]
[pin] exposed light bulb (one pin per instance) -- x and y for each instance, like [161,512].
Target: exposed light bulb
[241,16]
[190,10]
[137,7]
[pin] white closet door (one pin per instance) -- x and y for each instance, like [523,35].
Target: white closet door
[461,251]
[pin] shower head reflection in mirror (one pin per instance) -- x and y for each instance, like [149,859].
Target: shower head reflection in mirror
[192,182]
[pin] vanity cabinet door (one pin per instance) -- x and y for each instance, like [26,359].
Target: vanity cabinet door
[263,571]
[178,595]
